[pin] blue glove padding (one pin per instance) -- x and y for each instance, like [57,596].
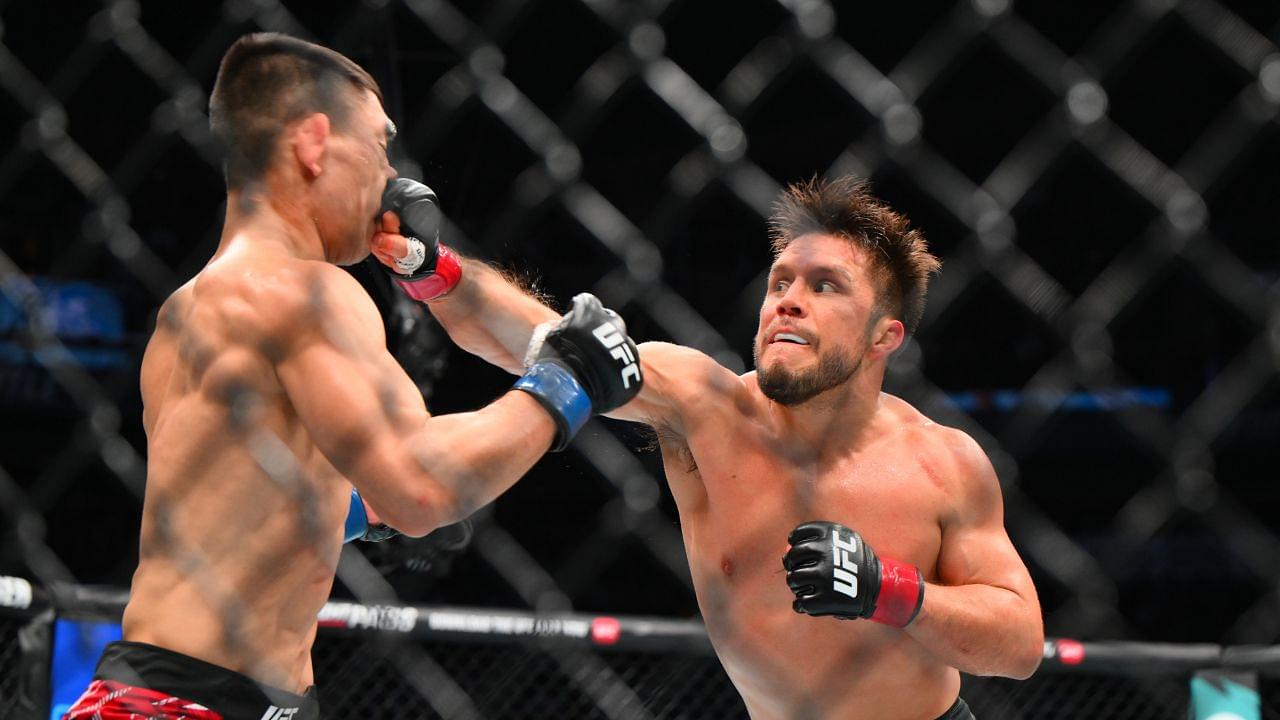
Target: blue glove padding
[559,391]
[357,526]
[357,519]
[584,363]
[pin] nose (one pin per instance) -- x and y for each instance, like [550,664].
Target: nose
[790,304]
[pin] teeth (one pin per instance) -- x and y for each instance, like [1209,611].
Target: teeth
[788,337]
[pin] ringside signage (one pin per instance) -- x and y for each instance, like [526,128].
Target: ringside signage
[394,618]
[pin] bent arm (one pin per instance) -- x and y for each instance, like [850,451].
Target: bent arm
[983,617]
[366,416]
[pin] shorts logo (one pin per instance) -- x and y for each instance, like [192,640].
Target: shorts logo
[844,567]
[609,336]
[278,713]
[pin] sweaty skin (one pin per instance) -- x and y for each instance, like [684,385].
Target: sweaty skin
[742,480]
[745,470]
[268,393]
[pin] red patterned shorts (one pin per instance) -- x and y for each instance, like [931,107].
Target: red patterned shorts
[112,700]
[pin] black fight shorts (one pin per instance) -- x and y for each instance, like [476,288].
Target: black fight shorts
[959,711]
[136,680]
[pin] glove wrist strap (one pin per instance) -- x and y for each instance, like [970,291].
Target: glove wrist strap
[561,394]
[435,282]
[901,593]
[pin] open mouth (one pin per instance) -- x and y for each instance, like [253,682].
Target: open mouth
[792,338]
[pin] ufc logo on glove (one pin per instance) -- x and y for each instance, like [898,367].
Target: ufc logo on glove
[609,336]
[844,568]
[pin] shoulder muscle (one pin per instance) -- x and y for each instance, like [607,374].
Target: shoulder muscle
[678,383]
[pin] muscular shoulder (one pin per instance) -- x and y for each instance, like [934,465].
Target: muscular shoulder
[682,385]
[289,300]
[953,460]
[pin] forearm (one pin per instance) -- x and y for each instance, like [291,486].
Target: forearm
[455,464]
[489,316]
[980,630]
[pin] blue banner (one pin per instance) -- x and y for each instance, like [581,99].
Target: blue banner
[76,647]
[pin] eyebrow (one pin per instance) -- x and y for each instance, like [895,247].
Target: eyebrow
[818,269]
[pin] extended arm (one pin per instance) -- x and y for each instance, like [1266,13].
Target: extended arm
[484,312]
[488,315]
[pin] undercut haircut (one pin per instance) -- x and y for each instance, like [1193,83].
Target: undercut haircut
[900,259]
[268,80]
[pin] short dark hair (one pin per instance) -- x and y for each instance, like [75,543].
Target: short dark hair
[267,80]
[845,208]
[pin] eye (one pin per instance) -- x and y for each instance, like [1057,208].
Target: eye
[825,286]
[780,286]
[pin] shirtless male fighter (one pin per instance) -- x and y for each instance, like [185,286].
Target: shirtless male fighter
[268,392]
[807,441]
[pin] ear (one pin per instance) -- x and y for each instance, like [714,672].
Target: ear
[887,336]
[309,138]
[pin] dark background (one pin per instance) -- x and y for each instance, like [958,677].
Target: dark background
[1100,180]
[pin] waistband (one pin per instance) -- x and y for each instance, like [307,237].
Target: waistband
[959,711]
[227,692]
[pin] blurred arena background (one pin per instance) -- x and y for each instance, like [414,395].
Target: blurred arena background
[1101,180]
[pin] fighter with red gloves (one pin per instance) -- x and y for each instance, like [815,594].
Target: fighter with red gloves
[833,572]
[756,457]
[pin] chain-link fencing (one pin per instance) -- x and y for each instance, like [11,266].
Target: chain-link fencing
[1099,181]
[424,662]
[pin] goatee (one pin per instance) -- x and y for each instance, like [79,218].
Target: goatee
[787,388]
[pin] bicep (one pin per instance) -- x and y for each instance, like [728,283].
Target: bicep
[346,402]
[976,549]
[349,393]
[676,379]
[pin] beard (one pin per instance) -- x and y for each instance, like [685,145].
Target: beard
[793,388]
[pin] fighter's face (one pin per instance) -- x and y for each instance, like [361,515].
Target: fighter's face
[816,320]
[360,170]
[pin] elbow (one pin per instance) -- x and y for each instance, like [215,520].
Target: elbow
[1017,658]
[420,511]
[1031,652]
[430,492]
[1026,665]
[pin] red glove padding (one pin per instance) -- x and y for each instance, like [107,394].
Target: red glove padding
[832,571]
[427,269]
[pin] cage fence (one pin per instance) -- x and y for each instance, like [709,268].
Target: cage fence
[1099,181]
[395,661]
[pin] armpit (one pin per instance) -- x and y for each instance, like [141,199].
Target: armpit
[675,446]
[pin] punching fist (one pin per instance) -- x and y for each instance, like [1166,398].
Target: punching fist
[423,266]
[582,364]
[833,572]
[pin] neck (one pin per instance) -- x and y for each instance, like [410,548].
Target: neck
[834,422]
[269,217]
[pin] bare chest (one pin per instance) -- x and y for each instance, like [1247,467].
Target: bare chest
[756,492]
